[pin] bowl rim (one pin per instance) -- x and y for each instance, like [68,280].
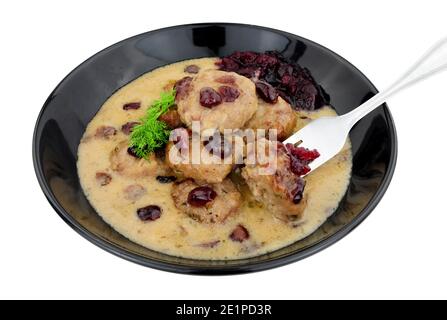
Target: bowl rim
[229,269]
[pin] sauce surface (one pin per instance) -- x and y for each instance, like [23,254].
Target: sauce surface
[175,233]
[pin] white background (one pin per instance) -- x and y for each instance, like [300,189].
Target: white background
[398,252]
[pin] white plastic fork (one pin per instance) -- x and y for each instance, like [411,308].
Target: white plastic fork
[328,134]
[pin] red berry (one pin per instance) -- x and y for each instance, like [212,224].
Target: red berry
[200,196]
[149,213]
[128,127]
[192,69]
[228,94]
[182,87]
[239,234]
[132,106]
[209,97]
[266,92]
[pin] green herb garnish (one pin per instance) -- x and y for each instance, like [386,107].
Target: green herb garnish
[152,133]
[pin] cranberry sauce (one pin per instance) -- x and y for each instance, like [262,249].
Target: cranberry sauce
[288,79]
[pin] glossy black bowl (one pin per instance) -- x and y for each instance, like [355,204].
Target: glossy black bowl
[78,97]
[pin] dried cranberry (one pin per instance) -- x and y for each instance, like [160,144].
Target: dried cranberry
[300,159]
[103,178]
[239,234]
[226,79]
[228,94]
[309,89]
[302,153]
[128,127]
[151,213]
[266,60]
[105,132]
[285,69]
[228,64]
[287,79]
[297,193]
[192,68]
[266,92]
[166,179]
[132,106]
[209,97]
[270,77]
[210,244]
[298,167]
[134,192]
[292,82]
[200,196]
[182,87]
[132,152]
[249,72]
[246,57]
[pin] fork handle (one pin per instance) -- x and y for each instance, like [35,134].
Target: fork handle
[433,61]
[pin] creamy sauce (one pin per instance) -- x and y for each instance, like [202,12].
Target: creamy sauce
[174,233]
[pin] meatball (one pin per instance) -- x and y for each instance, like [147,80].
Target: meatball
[279,116]
[171,118]
[213,166]
[226,200]
[279,188]
[126,164]
[218,99]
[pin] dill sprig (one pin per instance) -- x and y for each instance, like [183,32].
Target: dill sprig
[152,133]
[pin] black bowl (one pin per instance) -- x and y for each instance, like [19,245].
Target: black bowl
[78,97]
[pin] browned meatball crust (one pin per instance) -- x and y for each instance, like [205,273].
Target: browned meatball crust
[226,202]
[213,168]
[279,116]
[276,190]
[230,113]
[126,164]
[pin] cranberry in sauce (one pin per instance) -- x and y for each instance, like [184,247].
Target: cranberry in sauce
[210,244]
[249,72]
[292,82]
[132,153]
[228,64]
[239,234]
[266,92]
[134,192]
[149,213]
[209,97]
[200,196]
[192,68]
[128,127]
[132,106]
[298,167]
[300,159]
[166,179]
[297,193]
[105,132]
[103,178]
[302,153]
